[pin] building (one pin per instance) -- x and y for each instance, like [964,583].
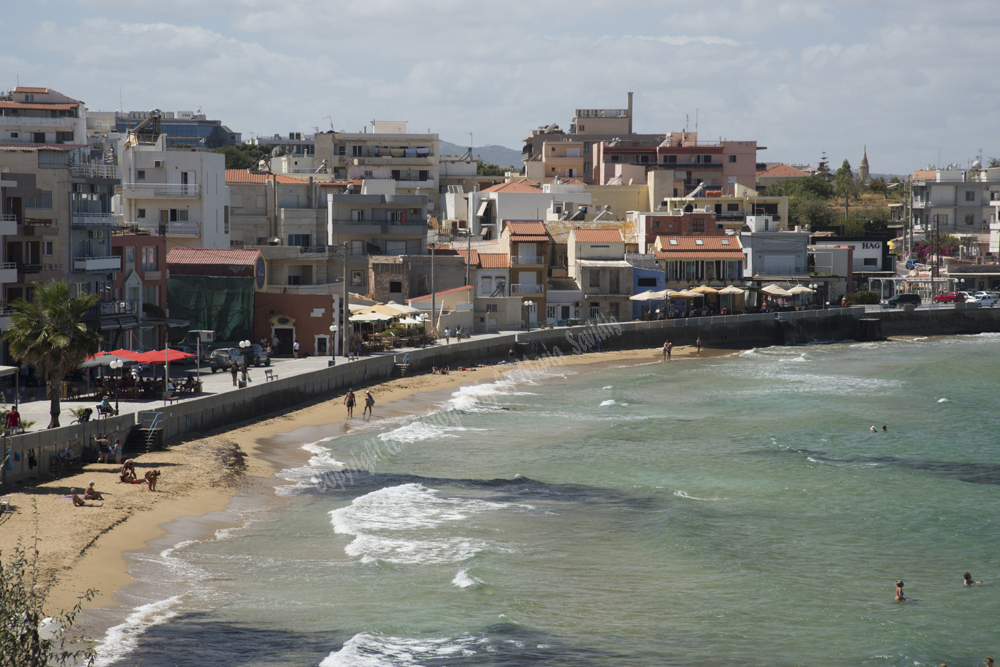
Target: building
[954,201]
[683,222]
[401,277]
[731,211]
[305,318]
[773,255]
[376,221]
[597,263]
[689,261]
[142,284]
[870,253]
[185,130]
[773,174]
[39,116]
[181,195]
[647,276]
[450,309]
[529,247]
[388,152]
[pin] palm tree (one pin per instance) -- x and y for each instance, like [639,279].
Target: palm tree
[48,332]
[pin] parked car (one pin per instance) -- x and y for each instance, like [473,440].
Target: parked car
[224,357]
[911,264]
[983,299]
[950,297]
[259,356]
[899,300]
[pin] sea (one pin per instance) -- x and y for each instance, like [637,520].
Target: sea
[732,510]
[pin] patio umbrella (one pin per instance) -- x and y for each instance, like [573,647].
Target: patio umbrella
[408,321]
[690,294]
[648,295]
[801,289]
[103,359]
[774,290]
[129,354]
[163,356]
[731,289]
[704,289]
[408,310]
[371,317]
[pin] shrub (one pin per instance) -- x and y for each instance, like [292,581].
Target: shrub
[861,298]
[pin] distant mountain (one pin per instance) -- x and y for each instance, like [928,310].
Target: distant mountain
[498,155]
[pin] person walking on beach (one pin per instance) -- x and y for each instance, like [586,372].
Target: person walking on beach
[369,404]
[295,349]
[151,478]
[667,348]
[697,344]
[349,402]
[967,580]
[103,447]
[233,370]
[117,451]
[899,591]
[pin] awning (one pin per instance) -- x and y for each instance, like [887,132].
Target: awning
[482,208]
[8,370]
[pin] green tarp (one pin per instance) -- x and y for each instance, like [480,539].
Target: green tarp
[220,304]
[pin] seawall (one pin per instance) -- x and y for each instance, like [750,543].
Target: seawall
[204,413]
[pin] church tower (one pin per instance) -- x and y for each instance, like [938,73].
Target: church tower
[863,173]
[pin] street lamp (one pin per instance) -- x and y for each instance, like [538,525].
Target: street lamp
[245,346]
[116,364]
[333,338]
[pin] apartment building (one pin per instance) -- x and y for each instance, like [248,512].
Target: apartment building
[388,152]
[178,194]
[732,208]
[529,247]
[954,201]
[685,222]
[33,115]
[186,130]
[689,261]
[597,263]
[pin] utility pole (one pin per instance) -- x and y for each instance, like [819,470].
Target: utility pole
[347,303]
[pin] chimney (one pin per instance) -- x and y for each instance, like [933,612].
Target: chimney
[630,113]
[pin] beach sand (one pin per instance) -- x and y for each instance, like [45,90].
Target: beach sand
[82,548]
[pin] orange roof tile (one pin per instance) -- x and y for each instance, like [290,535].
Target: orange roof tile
[598,235]
[781,171]
[213,256]
[30,89]
[242,176]
[533,227]
[514,186]
[924,174]
[38,107]
[470,257]
[711,254]
[494,260]
[688,247]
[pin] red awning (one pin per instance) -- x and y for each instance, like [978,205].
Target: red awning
[129,354]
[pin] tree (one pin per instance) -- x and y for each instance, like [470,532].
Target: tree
[244,156]
[812,186]
[49,332]
[810,212]
[846,184]
[994,163]
[491,170]
[867,222]
[823,167]
[927,248]
[877,185]
[24,640]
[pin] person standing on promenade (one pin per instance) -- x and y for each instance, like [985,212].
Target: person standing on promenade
[697,344]
[295,349]
[369,404]
[447,335]
[233,370]
[349,402]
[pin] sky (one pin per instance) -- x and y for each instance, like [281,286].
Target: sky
[910,80]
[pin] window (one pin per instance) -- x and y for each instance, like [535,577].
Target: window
[151,294]
[550,312]
[178,215]
[871,261]
[293,279]
[140,175]
[655,224]
[357,151]
[616,158]
[357,247]
[669,159]
[225,220]
[357,215]
[698,225]
[970,195]
[491,308]
[553,149]
[140,213]
[970,218]
[586,146]
[595,309]
[732,159]
[357,278]
[298,239]
[582,128]
[47,248]
[14,135]
[646,282]
[369,173]
[129,255]
[149,258]
[395,286]
[732,207]
[643,159]
[41,199]
[395,175]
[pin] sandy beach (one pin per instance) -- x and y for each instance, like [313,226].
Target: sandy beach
[83,548]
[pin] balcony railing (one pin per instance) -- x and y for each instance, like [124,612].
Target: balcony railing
[97,220]
[416,221]
[97,264]
[527,259]
[185,229]
[525,289]
[312,249]
[8,224]
[115,308]
[95,171]
[165,190]
[37,268]
[8,217]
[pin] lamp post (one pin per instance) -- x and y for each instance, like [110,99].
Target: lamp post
[333,339]
[245,346]
[116,365]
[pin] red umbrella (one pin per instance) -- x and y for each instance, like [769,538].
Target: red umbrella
[129,354]
[161,356]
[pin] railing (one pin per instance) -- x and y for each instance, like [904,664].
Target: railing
[95,171]
[312,248]
[8,217]
[167,189]
[116,308]
[39,222]
[38,268]
[527,259]
[525,289]
[416,222]
[91,220]
[166,228]
[8,265]
[98,264]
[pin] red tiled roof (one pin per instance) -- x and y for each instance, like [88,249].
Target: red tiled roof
[494,260]
[924,174]
[598,235]
[240,176]
[514,186]
[709,248]
[213,256]
[38,107]
[30,89]
[781,171]
[9,146]
[470,257]
[526,227]
[447,291]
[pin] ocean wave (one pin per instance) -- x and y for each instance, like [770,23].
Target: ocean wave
[377,650]
[608,402]
[307,476]
[418,431]
[464,580]
[122,639]
[393,525]
[684,494]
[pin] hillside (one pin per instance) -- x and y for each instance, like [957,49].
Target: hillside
[499,155]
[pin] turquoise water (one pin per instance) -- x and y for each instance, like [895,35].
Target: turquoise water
[732,510]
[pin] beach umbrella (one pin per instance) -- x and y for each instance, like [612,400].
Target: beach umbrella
[648,295]
[407,310]
[704,289]
[801,289]
[775,290]
[372,317]
[731,289]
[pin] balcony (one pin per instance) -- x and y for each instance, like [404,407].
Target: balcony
[8,272]
[97,264]
[920,203]
[527,260]
[95,171]
[115,308]
[40,227]
[23,268]
[185,229]
[525,289]
[96,221]
[8,224]
[161,190]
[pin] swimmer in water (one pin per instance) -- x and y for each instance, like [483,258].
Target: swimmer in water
[873,429]
[967,580]
[899,591]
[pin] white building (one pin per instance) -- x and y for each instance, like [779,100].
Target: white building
[179,194]
[773,254]
[955,201]
[31,115]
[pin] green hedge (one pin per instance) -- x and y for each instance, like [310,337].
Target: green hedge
[861,298]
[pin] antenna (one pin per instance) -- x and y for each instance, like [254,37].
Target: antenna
[329,118]
[696,119]
[687,122]
[121,105]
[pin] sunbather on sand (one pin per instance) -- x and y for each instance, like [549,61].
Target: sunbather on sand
[79,502]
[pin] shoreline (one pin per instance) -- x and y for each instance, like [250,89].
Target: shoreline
[83,548]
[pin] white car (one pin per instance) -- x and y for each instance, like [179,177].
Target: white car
[983,300]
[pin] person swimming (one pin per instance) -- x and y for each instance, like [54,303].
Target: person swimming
[873,429]
[967,579]
[899,591]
